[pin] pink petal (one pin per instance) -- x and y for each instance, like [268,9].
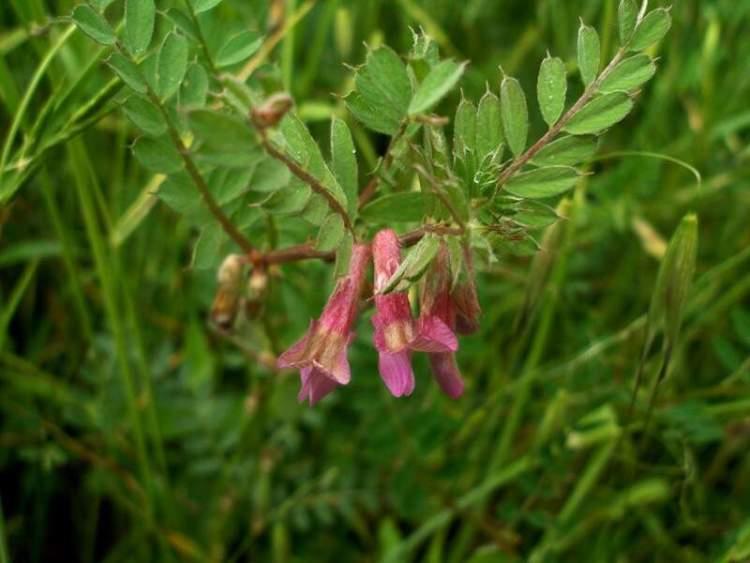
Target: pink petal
[295,355]
[446,373]
[342,374]
[315,385]
[434,336]
[377,336]
[396,372]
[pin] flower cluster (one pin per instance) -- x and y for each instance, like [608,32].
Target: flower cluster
[321,354]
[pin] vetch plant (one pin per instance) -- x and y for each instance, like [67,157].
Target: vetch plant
[235,159]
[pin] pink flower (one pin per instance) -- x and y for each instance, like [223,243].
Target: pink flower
[394,326]
[466,300]
[321,354]
[437,324]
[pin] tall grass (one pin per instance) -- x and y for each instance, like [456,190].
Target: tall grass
[133,431]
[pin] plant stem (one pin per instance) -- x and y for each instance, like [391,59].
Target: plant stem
[201,38]
[200,182]
[301,252]
[307,178]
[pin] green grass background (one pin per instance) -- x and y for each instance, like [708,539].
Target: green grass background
[539,461]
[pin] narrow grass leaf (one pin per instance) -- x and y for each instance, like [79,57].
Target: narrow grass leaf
[627,17]
[439,81]
[489,127]
[515,114]
[172,64]
[675,276]
[568,151]
[552,87]
[651,29]
[543,182]
[128,72]
[629,74]
[600,113]
[589,53]
[93,24]
[238,48]
[344,163]
[140,16]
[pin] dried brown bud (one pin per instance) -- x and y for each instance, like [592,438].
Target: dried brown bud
[270,112]
[224,308]
[230,271]
[258,282]
[226,303]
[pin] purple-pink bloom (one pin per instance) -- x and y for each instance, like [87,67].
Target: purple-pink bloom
[321,354]
[437,325]
[394,326]
[466,300]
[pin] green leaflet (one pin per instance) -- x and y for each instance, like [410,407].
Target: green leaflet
[157,155]
[238,48]
[172,64]
[567,151]
[140,16]
[589,53]
[200,6]
[145,115]
[629,74]
[543,182]
[441,79]
[128,72]
[290,200]
[344,163]
[399,207]
[414,265]
[627,17]
[382,92]
[515,114]
[331,233]
[93,24]
[464,128]
[600,113]
[223,139]
[552,87]
[303,148]
[651,29]
[194,89]
[489,128]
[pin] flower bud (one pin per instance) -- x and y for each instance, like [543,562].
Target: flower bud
[270,112]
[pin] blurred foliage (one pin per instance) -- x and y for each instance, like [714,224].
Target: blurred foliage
[540,460]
